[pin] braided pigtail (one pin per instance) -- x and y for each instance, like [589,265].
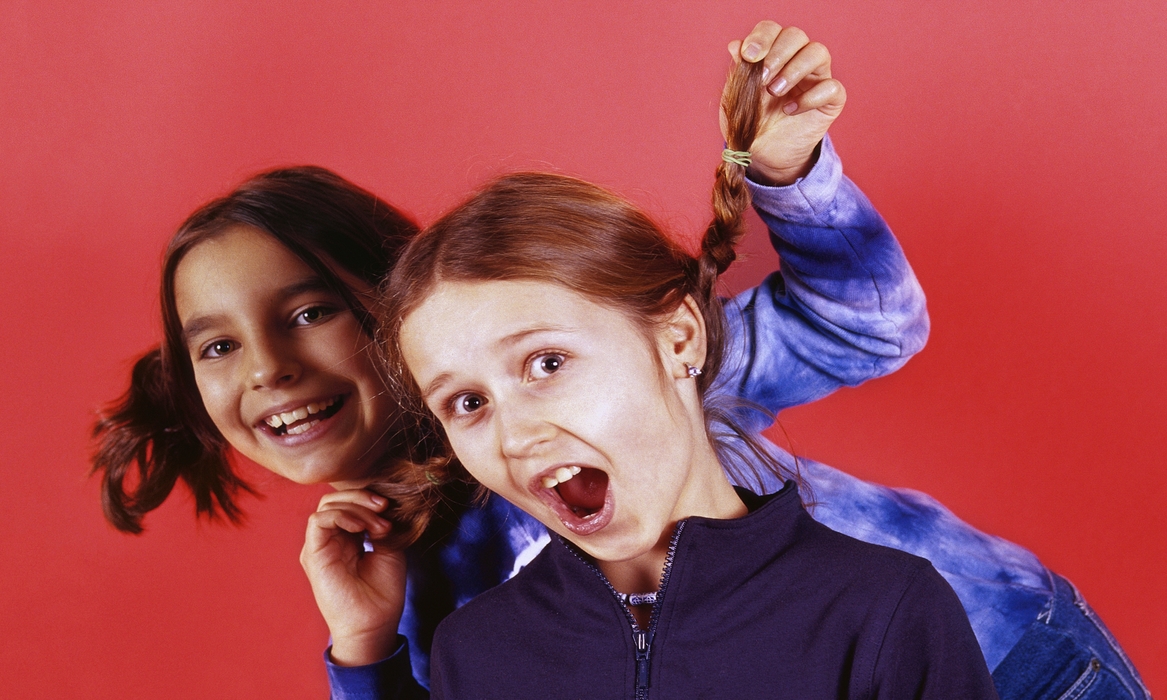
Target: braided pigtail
[744,455]
[742,104]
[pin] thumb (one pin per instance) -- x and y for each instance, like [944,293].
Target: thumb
[735,50]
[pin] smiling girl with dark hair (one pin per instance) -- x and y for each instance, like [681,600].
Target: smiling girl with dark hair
[298,247]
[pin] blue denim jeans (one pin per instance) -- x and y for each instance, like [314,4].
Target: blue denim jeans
[1068,654]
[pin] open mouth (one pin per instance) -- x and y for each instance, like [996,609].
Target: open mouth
[579,496]
[304,418]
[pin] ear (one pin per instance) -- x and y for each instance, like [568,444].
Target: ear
[682,339]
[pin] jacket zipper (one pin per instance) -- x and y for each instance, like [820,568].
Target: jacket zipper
[641,639]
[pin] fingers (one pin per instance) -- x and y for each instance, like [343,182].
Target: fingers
[788,56]
[796,58]
[827,96]
[735,50]
[360,497]
[338,517]
[757,44]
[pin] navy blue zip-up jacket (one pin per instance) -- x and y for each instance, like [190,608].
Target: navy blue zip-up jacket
[770,605]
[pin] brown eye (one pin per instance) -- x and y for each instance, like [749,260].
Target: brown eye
[313,314]
[218,348]
[545,365]
[468,403]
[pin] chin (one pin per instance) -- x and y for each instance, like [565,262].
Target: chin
[610,545]
[309,474]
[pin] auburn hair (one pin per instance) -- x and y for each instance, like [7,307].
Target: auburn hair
[158,432]
[558,229]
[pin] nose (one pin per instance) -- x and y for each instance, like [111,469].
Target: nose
[272,364]
[522,428]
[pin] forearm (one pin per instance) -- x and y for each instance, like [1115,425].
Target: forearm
[844,306]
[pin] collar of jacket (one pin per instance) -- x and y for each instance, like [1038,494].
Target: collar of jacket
[727,551]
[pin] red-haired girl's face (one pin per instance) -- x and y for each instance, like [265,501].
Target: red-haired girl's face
[563,407]
[283,368]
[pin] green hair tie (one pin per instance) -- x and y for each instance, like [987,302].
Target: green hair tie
[432,478]
[741,158]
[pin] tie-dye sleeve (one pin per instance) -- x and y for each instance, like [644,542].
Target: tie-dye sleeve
[383,680]
[844,306]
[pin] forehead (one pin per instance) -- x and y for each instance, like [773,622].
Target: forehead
[245,265]
[240,264]
[463,322]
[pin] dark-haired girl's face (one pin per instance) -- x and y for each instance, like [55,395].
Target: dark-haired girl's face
[282,365]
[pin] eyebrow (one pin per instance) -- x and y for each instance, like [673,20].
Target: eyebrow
[199,324]
[437,382]
[432,388]
[514,338]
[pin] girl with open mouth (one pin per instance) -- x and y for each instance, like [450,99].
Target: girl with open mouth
[561,348]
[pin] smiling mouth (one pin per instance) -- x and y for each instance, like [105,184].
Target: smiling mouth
[304,418]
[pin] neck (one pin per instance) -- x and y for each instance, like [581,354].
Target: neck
[707,494]
[641,574]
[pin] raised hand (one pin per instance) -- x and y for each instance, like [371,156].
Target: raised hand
[802,100]
[360,594]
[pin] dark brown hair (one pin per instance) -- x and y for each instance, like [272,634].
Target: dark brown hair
[158,432]
[552,228]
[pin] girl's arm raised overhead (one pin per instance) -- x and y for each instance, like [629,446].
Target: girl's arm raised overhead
[844,306]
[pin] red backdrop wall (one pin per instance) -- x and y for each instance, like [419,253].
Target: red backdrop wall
[1018,149]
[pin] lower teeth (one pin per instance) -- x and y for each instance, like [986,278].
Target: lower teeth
[301,428]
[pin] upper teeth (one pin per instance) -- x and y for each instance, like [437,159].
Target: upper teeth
[300,413]
[559,476]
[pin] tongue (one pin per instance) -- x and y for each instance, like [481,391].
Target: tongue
[585,491]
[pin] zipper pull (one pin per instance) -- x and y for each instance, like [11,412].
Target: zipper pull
[640,638]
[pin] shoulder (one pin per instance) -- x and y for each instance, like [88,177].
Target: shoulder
[874,582]
[911,627]
[915,632]
[498,608]
[864,560]
[475,644]
[540,622]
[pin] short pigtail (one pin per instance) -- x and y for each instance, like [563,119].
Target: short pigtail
[144,447]
[414,491]
[418,481]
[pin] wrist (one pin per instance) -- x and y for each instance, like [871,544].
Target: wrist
[771,177]
[363,649]
[784,174]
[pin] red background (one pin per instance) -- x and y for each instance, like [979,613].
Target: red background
[1017,148]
